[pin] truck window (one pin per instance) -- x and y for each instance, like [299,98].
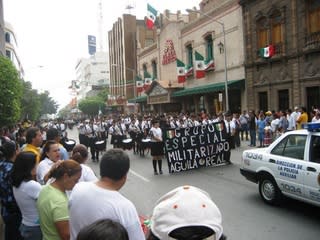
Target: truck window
[315,149]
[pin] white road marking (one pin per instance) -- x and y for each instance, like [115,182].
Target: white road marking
[139,176]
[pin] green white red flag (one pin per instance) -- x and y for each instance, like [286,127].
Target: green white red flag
[151,16]
[181,71]
[200,67]
[139,86]
[267,52]
[147,83]
[209,65]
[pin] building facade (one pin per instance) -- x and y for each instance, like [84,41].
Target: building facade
[11,48]
[91,75]
[126,36]
[289,75]
[184,38]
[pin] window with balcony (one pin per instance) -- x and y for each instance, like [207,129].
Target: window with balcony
[262,32]
[276,31]
[313,24]
[313,16]
[270,31]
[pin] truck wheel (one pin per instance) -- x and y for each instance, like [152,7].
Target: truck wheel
[269,190]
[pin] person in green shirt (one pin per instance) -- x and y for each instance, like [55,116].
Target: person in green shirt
[52,203]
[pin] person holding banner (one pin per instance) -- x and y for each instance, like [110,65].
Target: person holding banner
[156,146]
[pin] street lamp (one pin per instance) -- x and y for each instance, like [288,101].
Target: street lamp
[225,51]
[133,76]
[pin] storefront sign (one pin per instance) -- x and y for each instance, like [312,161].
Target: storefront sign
[195,147]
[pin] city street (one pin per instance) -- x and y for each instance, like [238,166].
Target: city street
[245,215]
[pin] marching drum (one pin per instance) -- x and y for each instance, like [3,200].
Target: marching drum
[69,144]
[100,145]
[127,144]
[145,143]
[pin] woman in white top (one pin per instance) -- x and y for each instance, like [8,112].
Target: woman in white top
[50,155]
[156,146]
[26,191]
[80,154]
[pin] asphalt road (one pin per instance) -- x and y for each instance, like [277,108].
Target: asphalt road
[245,215]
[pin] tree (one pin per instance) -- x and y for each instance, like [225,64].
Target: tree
[48,105]
[30,102]
[91,105]
[103,94]
[10,94]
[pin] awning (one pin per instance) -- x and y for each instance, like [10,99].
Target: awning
[138,99]
[215,87]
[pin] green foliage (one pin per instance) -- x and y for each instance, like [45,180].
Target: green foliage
[103,94]
[48,105]
[91,105]
[30,102]
[10,94]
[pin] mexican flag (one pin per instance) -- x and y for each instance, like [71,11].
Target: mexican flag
[200,67]
[267,52]
[147,83]
[181,71]
[189,70]
[151,16]
[139,86]
[209,65]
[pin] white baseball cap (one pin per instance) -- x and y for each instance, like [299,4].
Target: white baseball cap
[185,206]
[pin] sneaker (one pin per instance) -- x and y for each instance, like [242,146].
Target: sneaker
[155,173]
[161,172]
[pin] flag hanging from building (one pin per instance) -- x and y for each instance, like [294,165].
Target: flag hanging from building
[147,83]
[139,86]
[92,44]
[209,65]
[151,16]
[181,71]
[267,52]
[189,70]
[200,73]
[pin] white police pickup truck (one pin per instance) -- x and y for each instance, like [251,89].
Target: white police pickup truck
[290,166]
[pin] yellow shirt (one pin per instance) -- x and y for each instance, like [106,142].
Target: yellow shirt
[302,119]
[33,149]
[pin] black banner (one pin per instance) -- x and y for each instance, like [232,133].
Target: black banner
[195,147]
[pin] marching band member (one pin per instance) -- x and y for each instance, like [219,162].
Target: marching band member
[156,146]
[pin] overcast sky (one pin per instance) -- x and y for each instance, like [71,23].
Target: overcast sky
[53,34]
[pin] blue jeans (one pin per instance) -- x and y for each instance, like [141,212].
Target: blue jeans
[30,232]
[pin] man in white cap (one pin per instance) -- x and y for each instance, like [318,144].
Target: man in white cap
[186,212]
